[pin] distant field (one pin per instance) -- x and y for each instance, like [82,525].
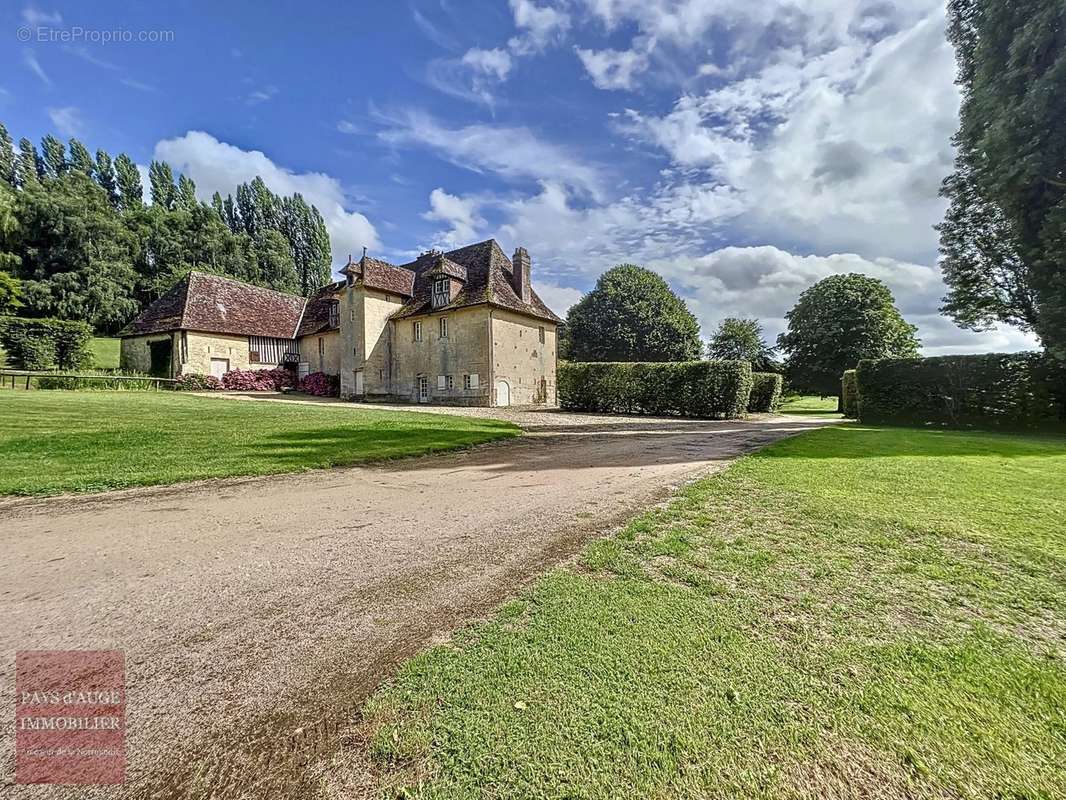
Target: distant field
[811,406]
[105,353]
[57,441]
[852,613]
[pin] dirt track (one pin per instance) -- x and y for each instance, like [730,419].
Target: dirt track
[256,614]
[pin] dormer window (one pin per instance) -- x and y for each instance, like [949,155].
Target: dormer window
[441,292]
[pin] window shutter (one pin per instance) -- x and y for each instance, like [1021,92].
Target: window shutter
[473,380]
[440,382]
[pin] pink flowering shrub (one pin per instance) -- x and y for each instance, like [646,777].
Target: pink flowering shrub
[321,385]
[192,382]
[258,380]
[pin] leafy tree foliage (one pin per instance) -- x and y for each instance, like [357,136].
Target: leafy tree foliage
[131,192]
[7,157]
[837,322]
[10,292]
[79,242]
[1003,240]
[631,315]
[742,340]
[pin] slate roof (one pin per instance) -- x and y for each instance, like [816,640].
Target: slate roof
[213,304]
[316,314]
[488,280]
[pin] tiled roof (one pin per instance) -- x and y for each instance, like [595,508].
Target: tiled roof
[316,315]
[213,304]
[488,280]
[381,275]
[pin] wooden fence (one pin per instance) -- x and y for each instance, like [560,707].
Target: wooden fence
[16,377]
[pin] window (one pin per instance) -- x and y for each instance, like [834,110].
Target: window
[334,314]
[441,292]
[351,315]
[444,327]
[541,334]
[418,331]
[321,347]
[470,381]
[449,382]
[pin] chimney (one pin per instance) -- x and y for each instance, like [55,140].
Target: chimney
[520,267]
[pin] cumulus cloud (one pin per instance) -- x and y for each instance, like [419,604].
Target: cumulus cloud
[67,120]
[459,213]
[613,69]
[538,26]
[558,298]
[510,152]
[216,166]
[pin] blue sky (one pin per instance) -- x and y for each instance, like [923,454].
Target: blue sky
[743,150]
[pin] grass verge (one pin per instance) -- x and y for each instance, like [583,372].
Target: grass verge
[852,613]
[810,406]
[54,442]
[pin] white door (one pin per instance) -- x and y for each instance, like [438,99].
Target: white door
[423,389]
[219,367]
[359,381]
[503,393]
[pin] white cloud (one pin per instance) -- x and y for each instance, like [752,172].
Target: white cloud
[539,26]
[613,69]
[558,298]
[511,152]
[67,120]
[35,17]
[495,62]
[29,58]
[261,95]
[218,166]
[844,150]
[460,213]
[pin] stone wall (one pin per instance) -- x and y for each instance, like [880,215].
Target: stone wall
[322,352]
[522,360]
[464,351]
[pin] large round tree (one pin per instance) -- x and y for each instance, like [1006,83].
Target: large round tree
[631,315]
[837,322]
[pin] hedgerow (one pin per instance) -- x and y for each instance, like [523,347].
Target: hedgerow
[765,392]
[849,394]
[688,389]
[40,344]
[1016,391]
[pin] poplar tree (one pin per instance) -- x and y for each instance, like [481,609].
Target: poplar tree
[161,181]
[131,191]
[80,158]
[186,193]
[28,169]
[54,155]
[104,172]
[7,157]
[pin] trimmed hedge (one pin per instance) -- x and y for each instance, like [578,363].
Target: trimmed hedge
[688,389]
[765,392]
[34,344]
[1015,391]
[107,382]
[849,394]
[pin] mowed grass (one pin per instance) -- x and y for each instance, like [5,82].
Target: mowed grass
[810,406]
[852,613]
[55,441]
[105,353]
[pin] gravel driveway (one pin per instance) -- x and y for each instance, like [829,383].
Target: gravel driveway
[256,614]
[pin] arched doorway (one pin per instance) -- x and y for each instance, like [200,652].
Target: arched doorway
[503,393]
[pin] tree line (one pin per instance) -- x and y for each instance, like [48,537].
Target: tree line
[79,241]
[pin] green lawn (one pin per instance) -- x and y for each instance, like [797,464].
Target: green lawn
[105,353]
[56,441]
[810,406]
[852,613]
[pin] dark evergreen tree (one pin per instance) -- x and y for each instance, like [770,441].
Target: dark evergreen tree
[1003,240]
[54,156]
[7,158]
[28,168]
[186,193]
[104,171]
[80,158]
[161,181]
[130,188]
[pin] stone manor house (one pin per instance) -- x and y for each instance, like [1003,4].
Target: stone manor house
[457,328]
